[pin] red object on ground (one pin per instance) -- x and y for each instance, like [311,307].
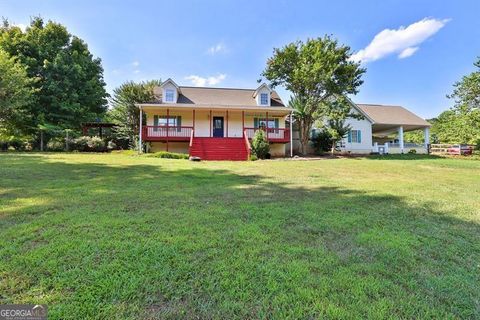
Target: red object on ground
[460,150]
[219,149]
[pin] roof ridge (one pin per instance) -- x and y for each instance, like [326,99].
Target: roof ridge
[380,105]
[222,88]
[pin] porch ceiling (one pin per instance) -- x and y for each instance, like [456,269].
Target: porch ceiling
[270,110]
[386,129]
[248,110]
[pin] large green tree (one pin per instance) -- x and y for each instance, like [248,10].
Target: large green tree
[461,124]
[454,126]
[15,95]
[466,92]
[124,112]
[69,86]
[314,72]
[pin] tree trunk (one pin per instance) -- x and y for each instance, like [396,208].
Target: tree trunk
[41,140]
[304,145]
[334,143]
[304,135]
[66,143]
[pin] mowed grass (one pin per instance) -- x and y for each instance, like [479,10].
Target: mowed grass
[115,236]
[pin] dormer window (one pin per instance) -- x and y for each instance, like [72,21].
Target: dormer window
[262,95]
[264,99]
[170,91]
[169,95]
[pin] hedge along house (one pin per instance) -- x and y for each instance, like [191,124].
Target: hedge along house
[213,123]
[382,130]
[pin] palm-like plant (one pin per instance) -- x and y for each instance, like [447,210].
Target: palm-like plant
[338,130]
[305,117]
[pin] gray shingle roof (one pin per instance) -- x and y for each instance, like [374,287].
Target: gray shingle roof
[222,96]
[394,115]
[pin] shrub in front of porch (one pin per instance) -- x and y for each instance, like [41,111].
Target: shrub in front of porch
[168,155]
[260,146]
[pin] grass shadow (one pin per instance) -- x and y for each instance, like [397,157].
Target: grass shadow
[174,239]
[405,157]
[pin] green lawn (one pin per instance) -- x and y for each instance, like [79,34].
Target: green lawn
[118,236]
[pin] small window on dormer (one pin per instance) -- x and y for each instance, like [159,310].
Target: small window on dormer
[264,98]
[169,95]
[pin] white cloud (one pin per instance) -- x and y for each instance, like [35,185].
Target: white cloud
[407,52]
[218,48]
[209,81]
[403,41]
[135,63]
[136,71]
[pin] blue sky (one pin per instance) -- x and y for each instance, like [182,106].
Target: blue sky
[427,47]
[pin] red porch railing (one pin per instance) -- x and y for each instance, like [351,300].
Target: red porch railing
[274,134]
[191,138]
[175,133]
[247,143]
[162,133]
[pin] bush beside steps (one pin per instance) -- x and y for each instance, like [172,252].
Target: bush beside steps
[168,155]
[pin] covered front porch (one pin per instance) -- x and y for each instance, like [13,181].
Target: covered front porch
[390,139]
[175,124]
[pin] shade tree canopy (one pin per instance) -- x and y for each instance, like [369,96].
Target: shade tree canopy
[67,81]
[314,71]
[15,95]
[124,112]
[461,124]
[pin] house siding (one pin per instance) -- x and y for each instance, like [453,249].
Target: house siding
[187,119]
[203,127]
[178,147]
[365,127]
[202,120]
[277,149]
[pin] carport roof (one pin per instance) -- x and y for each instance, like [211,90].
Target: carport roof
[392,115]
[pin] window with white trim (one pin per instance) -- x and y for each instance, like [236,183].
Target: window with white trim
[264,99]
[355,136]
[172,121]
[169,95]
[272,123]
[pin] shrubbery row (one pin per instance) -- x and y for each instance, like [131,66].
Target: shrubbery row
[83,143]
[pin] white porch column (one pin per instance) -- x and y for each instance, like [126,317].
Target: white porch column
[140,132]
[291,134]
[426,133]
[400,138]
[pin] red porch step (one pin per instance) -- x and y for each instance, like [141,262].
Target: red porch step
[219,149]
